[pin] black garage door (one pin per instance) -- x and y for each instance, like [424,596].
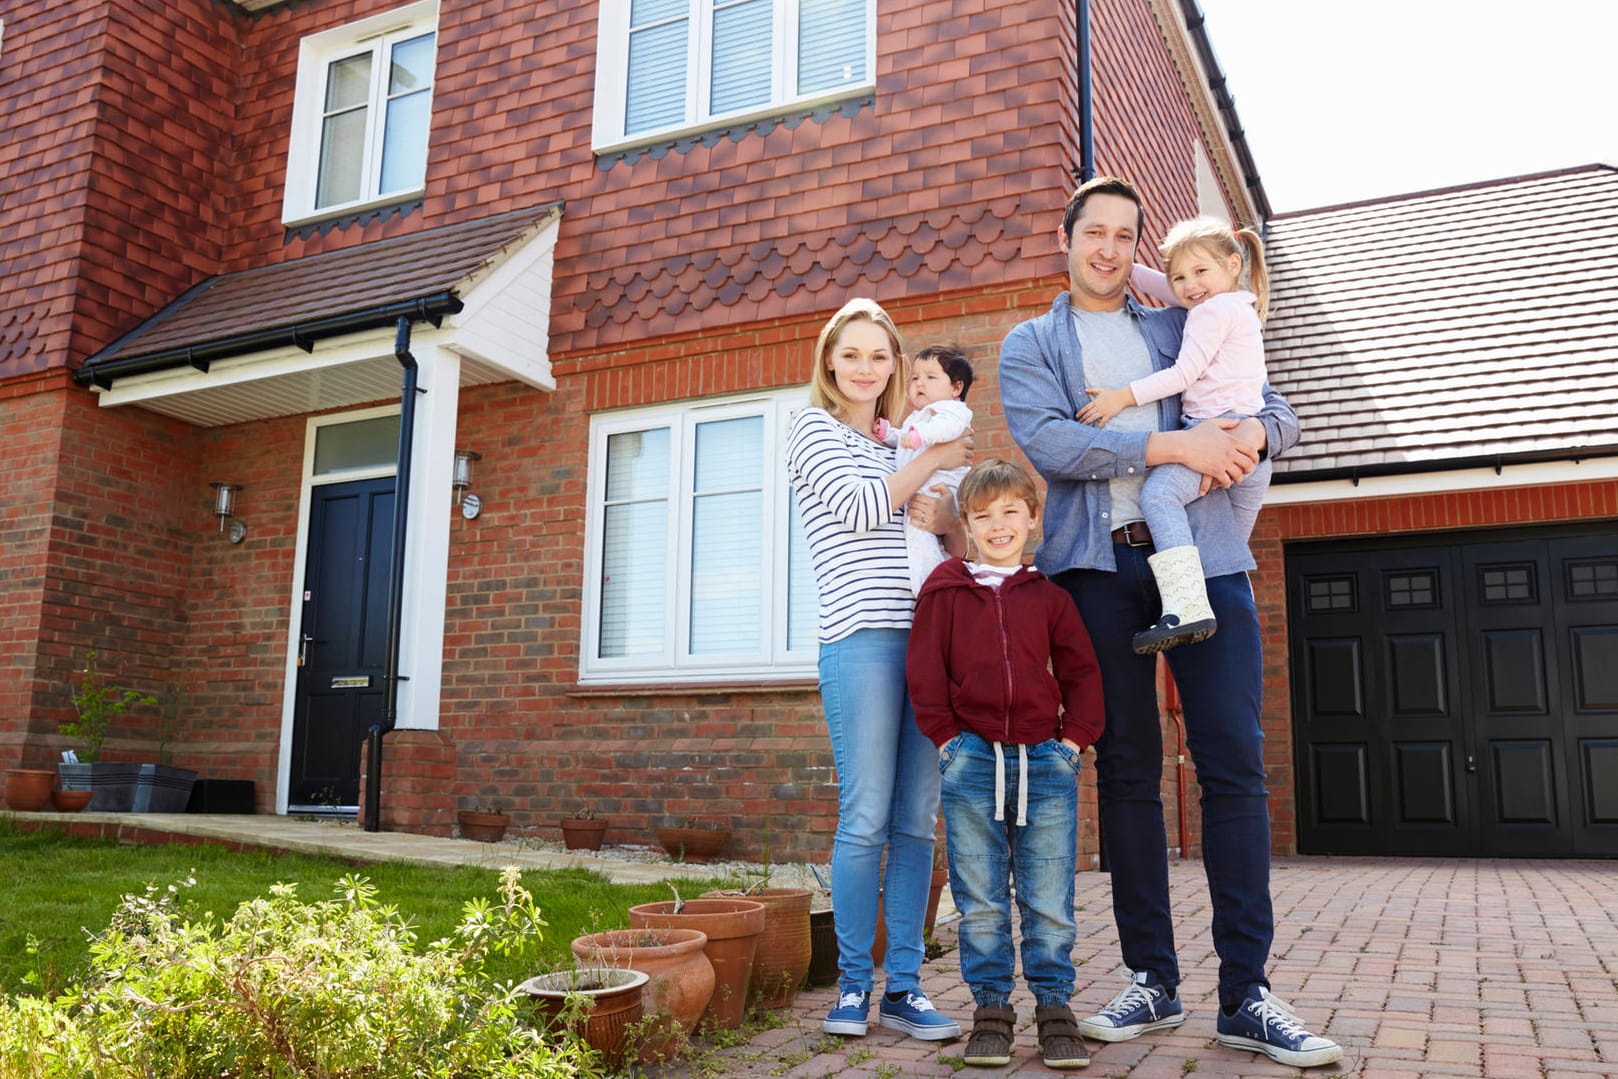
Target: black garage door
[1457,694]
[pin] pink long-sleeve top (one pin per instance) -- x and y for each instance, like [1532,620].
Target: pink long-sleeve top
[1220,369]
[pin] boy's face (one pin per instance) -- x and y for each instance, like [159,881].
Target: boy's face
[929,383]
[999,529]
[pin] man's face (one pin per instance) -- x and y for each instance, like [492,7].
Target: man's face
[1102,252]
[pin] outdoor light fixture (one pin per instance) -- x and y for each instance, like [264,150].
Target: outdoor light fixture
[224,507]
[471,505]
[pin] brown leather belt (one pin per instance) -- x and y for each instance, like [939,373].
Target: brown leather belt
[1133,534]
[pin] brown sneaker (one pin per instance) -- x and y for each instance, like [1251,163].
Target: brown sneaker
[992,1036]
[1060,1044]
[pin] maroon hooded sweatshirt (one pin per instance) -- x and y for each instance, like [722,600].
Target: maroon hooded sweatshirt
[1013,665]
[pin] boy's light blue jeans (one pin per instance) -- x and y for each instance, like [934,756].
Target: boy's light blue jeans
[887,796]
[986,855]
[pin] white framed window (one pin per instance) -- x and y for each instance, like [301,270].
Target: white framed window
[666,66]
[361,112]
[696,566]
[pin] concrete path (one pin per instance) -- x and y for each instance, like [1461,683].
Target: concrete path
[1420,968]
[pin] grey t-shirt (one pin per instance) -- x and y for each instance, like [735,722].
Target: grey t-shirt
[1115,355]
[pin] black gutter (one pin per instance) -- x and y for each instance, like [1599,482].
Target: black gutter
[430,308]
[1496,461]
[401,514]
[1087,149]
[1196,23]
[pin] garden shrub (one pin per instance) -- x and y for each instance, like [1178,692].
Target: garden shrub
[336,989]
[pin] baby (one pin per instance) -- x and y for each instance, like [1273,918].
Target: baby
[939,378]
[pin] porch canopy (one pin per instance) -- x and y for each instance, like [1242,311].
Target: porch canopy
[303,335]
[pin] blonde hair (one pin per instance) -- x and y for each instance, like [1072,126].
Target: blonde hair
[992,478]
[1218,239]
[823,391]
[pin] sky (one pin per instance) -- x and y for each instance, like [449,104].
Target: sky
[1344,101]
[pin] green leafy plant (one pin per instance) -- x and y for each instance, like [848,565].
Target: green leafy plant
[99,706]
[286,988]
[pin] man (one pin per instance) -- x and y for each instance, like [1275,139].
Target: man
[1096,547]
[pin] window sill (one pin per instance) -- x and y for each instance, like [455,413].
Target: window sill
[583,691]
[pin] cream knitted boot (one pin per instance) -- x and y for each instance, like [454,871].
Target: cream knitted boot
[1186,618]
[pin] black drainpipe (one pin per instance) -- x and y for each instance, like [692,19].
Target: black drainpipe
[1087,150]
[401,511]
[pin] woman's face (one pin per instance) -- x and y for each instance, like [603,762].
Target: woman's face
[862,361]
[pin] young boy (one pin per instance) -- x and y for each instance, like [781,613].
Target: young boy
[1003,680]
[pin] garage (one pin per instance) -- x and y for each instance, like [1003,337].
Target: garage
[1457,693]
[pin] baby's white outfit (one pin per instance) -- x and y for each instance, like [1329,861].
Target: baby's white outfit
[941,421]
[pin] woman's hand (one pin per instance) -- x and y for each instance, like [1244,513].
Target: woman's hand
[932,509]
[953,454]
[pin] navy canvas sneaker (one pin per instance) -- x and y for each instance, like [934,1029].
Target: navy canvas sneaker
[1263,1024]
[915,1015]
[1144,1006]
[848,1015]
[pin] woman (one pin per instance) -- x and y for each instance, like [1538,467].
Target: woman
[851,496]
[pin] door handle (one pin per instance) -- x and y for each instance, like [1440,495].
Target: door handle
[1471,764]
[304,642]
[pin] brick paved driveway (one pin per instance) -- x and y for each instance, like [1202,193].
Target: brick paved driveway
[1419,968]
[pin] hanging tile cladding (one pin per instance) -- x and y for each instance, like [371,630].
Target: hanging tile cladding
[113,161]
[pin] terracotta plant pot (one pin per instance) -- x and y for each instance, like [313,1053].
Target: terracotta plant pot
[733,927]
[70,801]
[680,981]
[693,844]
[28,790]
[783,948]
[482,827]
[824,967]
[616,1006]
[582,834]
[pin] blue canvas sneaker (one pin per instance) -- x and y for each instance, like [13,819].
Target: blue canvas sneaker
[1265,1025]
[916,1016]
[1144,1006]
[848,1015]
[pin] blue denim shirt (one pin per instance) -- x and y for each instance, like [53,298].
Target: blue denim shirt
[1042,388]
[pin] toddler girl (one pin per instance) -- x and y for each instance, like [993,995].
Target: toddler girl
[1219,373]
[939,378]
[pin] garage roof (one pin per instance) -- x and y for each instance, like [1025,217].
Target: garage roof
[1425,331]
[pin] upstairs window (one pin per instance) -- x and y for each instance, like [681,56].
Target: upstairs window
[361,114]
[667,66]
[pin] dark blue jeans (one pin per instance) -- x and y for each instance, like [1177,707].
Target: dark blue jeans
[1220,683]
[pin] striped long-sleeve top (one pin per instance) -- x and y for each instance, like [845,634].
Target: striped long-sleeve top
[856,537]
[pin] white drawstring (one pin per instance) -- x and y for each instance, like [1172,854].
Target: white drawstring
[1000,784]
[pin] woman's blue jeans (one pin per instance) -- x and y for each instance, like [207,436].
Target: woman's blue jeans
[985,855]
[887,799]
[1220,682]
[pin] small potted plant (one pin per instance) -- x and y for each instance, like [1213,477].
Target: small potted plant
[484,824]
[97,707]
[583,830]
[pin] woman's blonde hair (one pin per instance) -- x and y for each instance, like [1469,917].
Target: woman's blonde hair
[823,391]
[1220,240]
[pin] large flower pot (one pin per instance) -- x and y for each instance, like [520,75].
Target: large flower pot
[680,980]
[783,948]
[482,827]
[113,783]
[70,801]
[615,1006]
[28,790]
[824,965]
[583,833]
[733,927]
[162,788]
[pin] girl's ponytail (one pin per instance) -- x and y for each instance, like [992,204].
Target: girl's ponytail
[1258,277]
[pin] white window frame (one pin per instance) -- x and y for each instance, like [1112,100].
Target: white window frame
[315,55]
[612,74]
[675,663]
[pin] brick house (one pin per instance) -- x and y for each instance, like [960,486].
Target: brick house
[583,246]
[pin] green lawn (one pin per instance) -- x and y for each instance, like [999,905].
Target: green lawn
[58,888]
